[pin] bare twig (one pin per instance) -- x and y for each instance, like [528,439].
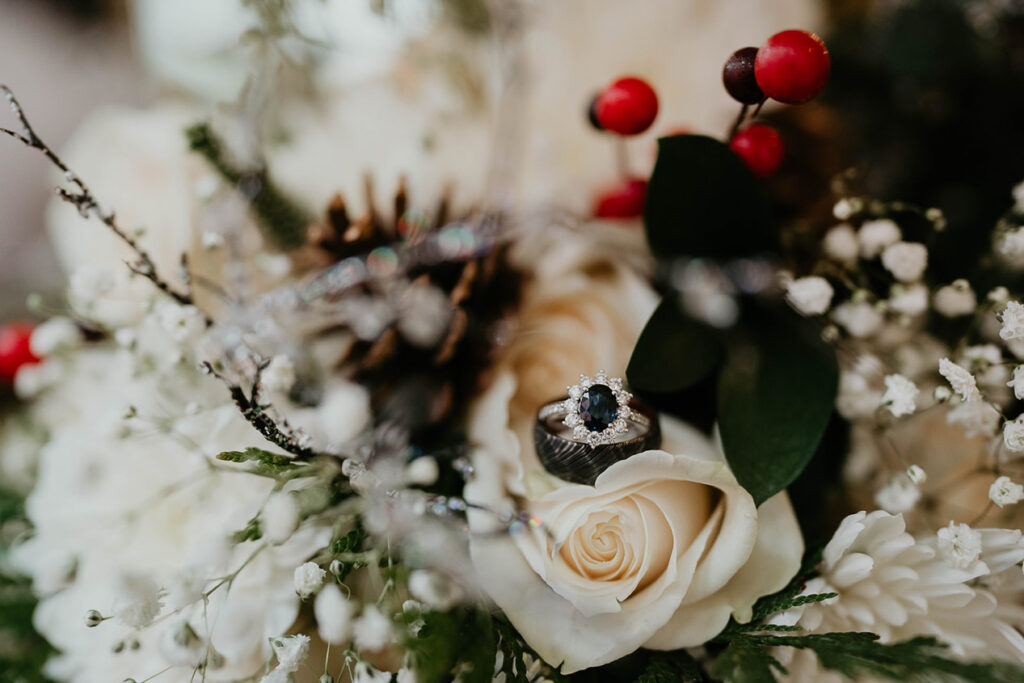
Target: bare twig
[81,197]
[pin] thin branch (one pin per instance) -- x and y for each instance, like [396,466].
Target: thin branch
[81,197]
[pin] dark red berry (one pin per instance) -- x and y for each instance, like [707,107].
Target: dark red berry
[738,76]
[792,66]
[627,107]
[14,349]
[625,200]
[760,148]
[592,114]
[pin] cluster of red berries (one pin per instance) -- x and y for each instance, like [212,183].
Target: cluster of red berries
[791,67]
[15,349]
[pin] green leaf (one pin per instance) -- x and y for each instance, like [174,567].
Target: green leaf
[267,464]
[673,352]
[775,395]
[677,666]
[743,661]
[462,641]
[702,201]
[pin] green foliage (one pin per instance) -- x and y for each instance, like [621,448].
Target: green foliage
[266,464]
[775,397]
[462,640]
[251,532]
[672,667]
[283,220]
[702,202]
[352,542]
[745,662]
[673,352]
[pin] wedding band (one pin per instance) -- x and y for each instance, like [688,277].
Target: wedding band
[601,423]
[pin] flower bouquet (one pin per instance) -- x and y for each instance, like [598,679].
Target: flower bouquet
[680,414]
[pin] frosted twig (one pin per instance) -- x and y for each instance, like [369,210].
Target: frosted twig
[81,197]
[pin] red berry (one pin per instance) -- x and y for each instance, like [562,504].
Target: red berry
[760,148]
[792,66]
[14,349]
[625,200]
[627,107]
[738,76]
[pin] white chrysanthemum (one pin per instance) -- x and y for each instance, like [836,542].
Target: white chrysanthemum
[308,578]
[955,299]
[900,395]
[810,295]
[860,319]
[905,260]
[1012,319]
[1017,382]
[373,630]
[959,544]
[333,614]
[279,375]
[960,379]
[874,236]
[291,651]
[1004,491]
[840,244]
[899,495]
[908,299]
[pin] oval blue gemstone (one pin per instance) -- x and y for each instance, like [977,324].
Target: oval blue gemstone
[598,408]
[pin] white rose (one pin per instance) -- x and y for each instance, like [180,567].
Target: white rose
[661,551]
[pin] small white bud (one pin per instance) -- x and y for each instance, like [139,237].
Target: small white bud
[308,578]
[917,474]
[93,618]
[942,394]
[1004,491]
[422,471]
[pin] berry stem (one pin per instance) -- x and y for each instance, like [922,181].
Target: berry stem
[738,121]
[621,158]
[758,109]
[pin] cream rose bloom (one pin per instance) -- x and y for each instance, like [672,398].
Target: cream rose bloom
[665,546]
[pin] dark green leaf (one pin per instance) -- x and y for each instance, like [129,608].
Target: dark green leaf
[462,640]
[745,662]
[677,666]
[267,464]
[673,352]
[703,202]
[775,395]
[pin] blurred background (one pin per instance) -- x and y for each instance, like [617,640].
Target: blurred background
[925,101]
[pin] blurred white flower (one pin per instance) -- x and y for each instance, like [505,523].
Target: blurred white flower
[976,418]
[1004,491]
[1012,319]
[422,471]
[1012,244]
[876,235]
[308,579]
[433,589]
[280,517]
[364,673]
[840,244]
[138,601]
[905,260]
[373,630]
[1017,382]
[955,299]
[333,614]
[861,319]
[842,209]
[279,375]
[183,323]
[899,495]
[291,651]
[917,475]
[908,299]
[900,395]
[810,295]
[55,334]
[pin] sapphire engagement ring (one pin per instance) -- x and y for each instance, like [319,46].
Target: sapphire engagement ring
[598,424]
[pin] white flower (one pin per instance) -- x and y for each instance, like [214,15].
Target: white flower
[183,323]
[899,588]
[55,334]
[899,495]
[960,379]
[959,544]
[433,589]
[278,675]
[212,240]
[1013,434]
[998,295]
[1012,319]
[1012,243]
[908,299]
[843,209]
[280,517]
[422,471]
[860,319]
[976,418]
[364,673]
[917,474]
[308,578]
[900,395]
[279,375]
[138,601]
[856,397]
[1004,491]
[291,651]
[810,295]
[333,614]
[373,630]
[874,236]
[840,244]
[1017,382]
[955,299]
[905,260]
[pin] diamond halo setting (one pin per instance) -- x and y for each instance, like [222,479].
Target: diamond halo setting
[597,410]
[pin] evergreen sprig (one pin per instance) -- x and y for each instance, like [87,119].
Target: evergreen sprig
[267,464]
[678,666]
